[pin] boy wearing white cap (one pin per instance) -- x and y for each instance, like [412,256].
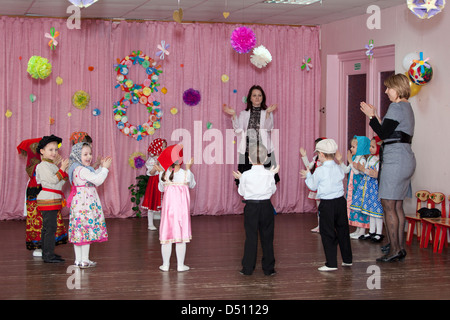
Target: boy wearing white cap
[328,181]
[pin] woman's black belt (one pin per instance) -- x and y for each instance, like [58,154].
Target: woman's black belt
[401,136]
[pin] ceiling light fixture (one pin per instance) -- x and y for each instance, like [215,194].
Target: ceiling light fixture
[82,3]
[301,2]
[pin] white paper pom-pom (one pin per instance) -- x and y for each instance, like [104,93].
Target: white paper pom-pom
[260,57]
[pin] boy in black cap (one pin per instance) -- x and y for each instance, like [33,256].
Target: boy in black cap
[51,199]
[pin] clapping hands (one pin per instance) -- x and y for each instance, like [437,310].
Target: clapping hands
[106,162]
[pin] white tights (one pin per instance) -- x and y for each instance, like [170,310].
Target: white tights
[166,251]
[376,225]
[82,253]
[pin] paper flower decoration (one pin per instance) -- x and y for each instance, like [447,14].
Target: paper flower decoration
[420,72]
[32,97]
[208,125]
[96,112]
[369,47]
[8,113]
[225,78]
[260,57]
[174,111]
[38,67]
[243,39]
[306,64]
[162,49]
[59,81]
[136,160]
[191,97]
[81,99]
[52,36]
[425,9]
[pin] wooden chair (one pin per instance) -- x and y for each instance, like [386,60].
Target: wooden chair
[413,220]
[429,225]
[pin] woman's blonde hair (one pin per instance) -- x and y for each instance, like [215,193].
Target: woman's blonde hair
[400,83]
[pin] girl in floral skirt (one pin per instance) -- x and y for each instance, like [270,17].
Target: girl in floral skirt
[87,222]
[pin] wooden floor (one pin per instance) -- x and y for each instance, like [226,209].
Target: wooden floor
[128,267]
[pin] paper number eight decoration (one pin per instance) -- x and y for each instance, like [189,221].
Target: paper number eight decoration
[138,93]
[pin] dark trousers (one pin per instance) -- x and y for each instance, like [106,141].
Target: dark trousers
[49,225]
[258,217]
[334,230]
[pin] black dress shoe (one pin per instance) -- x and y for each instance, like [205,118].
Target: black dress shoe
[54,260]
[386,248]
[392,258]
[270,273]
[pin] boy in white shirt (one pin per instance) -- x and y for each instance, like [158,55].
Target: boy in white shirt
[328,181]
[257,185]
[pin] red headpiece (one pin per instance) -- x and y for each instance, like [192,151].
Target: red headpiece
[155,147]
[170,155]
[378,143]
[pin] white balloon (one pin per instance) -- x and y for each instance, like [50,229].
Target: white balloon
[408,59]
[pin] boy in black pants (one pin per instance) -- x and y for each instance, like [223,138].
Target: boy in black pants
[257,185]
[333,222]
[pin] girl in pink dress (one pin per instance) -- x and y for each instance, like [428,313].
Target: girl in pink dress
[86,222]
[175,226]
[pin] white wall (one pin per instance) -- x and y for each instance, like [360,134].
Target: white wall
[408,33]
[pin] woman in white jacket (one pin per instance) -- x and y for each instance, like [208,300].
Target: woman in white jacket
[254,126]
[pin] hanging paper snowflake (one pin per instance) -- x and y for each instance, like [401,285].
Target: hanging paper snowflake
[260,57]
[243,39]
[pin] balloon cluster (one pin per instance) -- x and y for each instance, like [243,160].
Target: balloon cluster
[419,71]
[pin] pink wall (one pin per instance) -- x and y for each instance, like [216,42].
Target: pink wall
[401,28]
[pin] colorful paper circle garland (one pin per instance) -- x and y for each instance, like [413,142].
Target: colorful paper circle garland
[138,93]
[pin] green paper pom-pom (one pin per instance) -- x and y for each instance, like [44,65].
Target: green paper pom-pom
[39,67]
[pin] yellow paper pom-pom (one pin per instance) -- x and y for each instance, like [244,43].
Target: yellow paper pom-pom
[81,99]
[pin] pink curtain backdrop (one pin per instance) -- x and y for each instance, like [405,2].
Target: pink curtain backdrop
[205,52]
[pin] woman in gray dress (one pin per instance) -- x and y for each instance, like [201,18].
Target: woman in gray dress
[398,162]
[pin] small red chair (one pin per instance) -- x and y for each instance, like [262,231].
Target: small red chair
[422,196]
[430,225]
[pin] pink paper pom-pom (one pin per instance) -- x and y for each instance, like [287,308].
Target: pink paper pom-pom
[243,39]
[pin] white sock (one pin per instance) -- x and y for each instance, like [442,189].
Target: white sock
[150,216]
[181,253]
[85,252]
[166,251]
[379,224]
[372,225]
[77,253]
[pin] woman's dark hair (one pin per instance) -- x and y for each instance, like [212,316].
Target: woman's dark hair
[249,102]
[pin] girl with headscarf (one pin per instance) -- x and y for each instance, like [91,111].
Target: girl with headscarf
[366,198]
[152,197]
[359,147]
[86,221]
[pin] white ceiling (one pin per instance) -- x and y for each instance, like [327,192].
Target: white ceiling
[241,11]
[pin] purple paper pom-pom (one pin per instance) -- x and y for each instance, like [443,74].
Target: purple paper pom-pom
[139,162]
[191,97]
[243,39]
